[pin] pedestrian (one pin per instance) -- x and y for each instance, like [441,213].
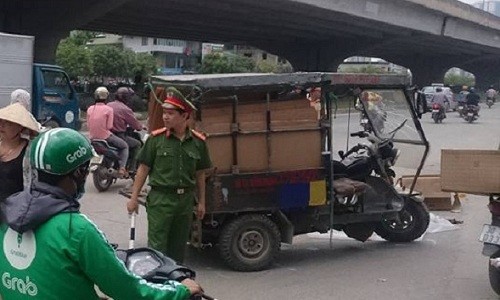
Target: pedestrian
[51,250]
[21,96]
[17,126]
[100,122]
[123,120]
[176,160]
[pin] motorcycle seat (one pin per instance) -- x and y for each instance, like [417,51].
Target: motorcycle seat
[104,143]
[345,187]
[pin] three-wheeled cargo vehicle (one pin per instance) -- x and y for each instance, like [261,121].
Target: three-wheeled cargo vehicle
[276,171]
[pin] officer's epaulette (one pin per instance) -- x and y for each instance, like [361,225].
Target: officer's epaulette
[199,135]
[159,131]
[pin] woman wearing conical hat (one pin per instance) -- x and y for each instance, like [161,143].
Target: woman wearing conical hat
[17,126]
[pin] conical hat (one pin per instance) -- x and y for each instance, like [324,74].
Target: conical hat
[16,113]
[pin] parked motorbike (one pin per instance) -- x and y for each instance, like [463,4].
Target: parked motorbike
[104,168]
[471,113]
[372,164]
[490,101]
[490,236]
[438,113]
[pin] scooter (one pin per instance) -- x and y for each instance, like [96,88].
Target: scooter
[490,236]
[438,113]
[471,113]
[490,101]
[104,168]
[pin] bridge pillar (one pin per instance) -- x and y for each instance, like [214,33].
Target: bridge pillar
[323,56]
[427,70]
[485,72]
[46,46]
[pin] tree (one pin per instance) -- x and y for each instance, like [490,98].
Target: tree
[226,63]
[75,59]
[266,66]
[108,61]
[145,65]
[454,79]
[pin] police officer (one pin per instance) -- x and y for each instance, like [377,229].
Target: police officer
[176,160]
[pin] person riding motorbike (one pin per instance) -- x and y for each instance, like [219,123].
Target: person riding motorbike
[491,93]
[124,118]
[100,122]
[64,254]
[440,98]
[472,98]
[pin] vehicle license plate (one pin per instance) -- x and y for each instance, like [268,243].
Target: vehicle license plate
[490,234]
[470,114]
[460,107]
[96,160]
[435,110]
[364,121]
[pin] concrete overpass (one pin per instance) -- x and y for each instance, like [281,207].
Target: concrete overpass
[427,36]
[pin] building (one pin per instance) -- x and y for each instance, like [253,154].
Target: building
[492,7]
[172,56]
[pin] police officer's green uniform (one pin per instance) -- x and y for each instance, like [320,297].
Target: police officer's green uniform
[173,164]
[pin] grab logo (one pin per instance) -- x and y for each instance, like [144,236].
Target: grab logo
[25,287]
[19,248]
[77,154]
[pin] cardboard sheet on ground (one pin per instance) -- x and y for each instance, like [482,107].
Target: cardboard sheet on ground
[436,224]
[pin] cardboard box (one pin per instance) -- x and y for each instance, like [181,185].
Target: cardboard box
[470,171]
[430,188]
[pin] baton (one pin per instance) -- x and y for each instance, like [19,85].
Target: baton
[132,231]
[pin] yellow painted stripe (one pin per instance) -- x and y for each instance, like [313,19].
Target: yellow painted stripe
[317,193]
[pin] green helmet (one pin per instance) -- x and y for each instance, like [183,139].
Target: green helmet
[60,151]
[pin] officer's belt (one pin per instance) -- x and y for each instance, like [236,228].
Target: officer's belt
[173,190]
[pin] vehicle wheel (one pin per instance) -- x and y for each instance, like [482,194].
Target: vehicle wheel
[470,119]
[413,222]
[494,275]
[51,124]
[249,243]
[436,118]
[102,181]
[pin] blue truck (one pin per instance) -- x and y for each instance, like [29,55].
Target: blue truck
[54,101]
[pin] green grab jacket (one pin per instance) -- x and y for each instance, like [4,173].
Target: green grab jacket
[52,251]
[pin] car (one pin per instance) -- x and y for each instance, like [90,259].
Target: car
[429,91]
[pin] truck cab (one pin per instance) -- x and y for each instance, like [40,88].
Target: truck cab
[54,100]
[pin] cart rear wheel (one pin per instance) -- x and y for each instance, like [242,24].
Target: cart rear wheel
[412,223]
[249,243]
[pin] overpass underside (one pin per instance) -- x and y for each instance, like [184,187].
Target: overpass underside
[313,35]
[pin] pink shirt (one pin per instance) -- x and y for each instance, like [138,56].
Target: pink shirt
[123,116]
[99,121]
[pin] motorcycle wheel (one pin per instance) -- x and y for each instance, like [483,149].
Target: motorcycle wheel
[436,118]
[102,181]
[412,223]
[494,275]
[470,119]
[249,243]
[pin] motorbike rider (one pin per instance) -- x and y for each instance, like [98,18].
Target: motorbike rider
[472,97]
[55,251]
[440,98]
[491,93]
[100,122]
[124,117]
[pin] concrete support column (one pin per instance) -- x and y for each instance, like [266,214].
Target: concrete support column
[486,73]
[46,46]
[427,70]
[314,56]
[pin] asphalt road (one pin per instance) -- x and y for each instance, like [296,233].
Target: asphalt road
[444,265]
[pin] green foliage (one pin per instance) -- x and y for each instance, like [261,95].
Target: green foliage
[454,79]
[75,59]
[226,63]
[109,61]
[81,61]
